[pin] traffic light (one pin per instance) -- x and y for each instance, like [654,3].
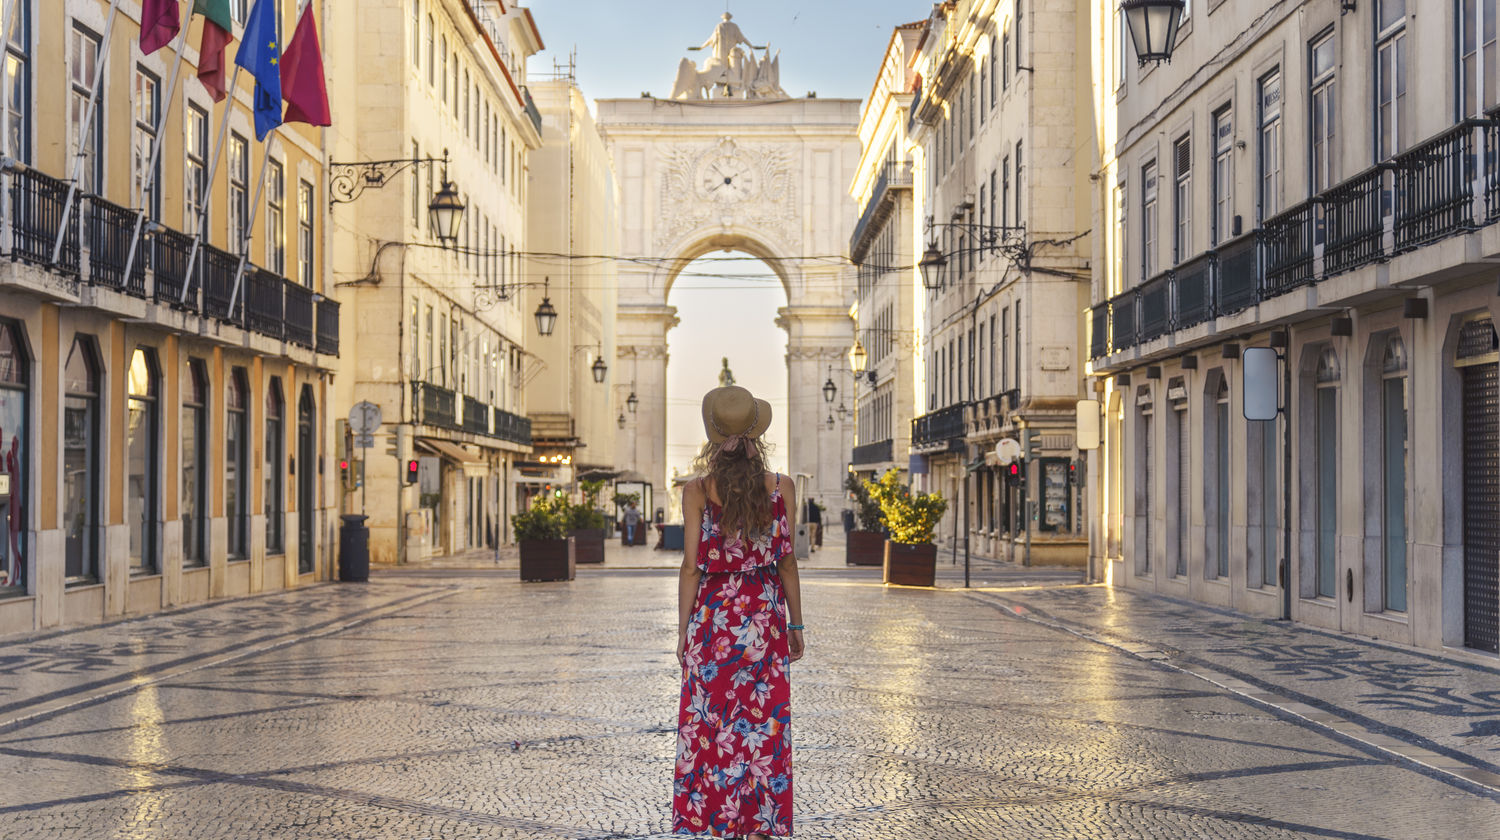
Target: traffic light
[344,476]
[356,474]
[1076,472]
[411,470]
[1015,473]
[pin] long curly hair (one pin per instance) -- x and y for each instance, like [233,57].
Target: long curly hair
[740,480]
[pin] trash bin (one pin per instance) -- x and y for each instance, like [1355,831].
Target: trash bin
[354,549]
[671,537]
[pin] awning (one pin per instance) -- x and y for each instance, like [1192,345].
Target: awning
[451,451]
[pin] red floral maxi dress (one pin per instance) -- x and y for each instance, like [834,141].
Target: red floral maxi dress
[734,746]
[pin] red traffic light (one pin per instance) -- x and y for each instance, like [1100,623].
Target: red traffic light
[1015,469]
[411,471]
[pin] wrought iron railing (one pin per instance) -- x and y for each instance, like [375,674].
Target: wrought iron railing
[435,405]
[936,427]
[217,278]
[1122,320]
[879,452]
[36,210]
[1434,187]
[1287,242]
[476,417]
[1353,224]
[170,260]
[110,228]
[1155,302]
[512,427]
[328,327]
[299,313]
[531,111]
[893,175]
[1193,291]
[263,303]
[1239,274]
[1099,331]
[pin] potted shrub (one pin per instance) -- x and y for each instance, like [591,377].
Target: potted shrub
[910,556]
[865,545]
[587,525]
[546,550]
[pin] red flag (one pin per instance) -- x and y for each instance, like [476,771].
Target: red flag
[159,24]
[211,46]
[302,83]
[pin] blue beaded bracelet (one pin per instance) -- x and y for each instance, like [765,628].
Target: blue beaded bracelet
[795,627]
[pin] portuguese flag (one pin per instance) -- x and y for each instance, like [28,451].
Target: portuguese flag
[218,29]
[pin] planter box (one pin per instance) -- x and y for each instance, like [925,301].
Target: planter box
[588,545]
[547,559]
[910,565]
[864,548]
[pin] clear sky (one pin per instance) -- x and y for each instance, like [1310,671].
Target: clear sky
[832,47]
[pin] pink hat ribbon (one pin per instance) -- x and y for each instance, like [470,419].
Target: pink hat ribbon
[735,442]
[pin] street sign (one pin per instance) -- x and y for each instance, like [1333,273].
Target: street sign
[364,419]
[1258,366]
[1087,425]
[1007,450]
[364,441]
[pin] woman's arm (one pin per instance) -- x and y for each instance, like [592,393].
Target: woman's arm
[791,585]
[689,575]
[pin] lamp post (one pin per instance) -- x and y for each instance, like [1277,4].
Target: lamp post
[546,313]
[632,402]
[445,212]
[858,357]
[1153,27]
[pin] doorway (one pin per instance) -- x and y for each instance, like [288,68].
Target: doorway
[306,481]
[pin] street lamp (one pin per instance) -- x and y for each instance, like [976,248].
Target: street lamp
[830,390]
[445,212]
[632,402]
[599,367]
[830,421]
[620,421]
[1153,27]
[932,264]
[858,357]
[546,313]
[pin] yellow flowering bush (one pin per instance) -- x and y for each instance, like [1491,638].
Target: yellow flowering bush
[911,517]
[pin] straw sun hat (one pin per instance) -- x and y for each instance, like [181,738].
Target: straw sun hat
[733,411]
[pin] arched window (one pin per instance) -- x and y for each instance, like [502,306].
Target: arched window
[194,502]
[1179,474]
[237,464]
[15,478]
[1216,483]
[1325,473]
[1144,468]
[274,446]
[143,461]
[1393,453]
[81,386]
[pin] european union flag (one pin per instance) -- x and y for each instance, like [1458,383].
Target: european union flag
[260,53]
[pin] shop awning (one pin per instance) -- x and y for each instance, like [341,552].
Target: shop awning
[451,451]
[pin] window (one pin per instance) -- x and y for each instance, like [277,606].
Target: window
[1182,203]
[1121,39]
[144,191]
[275,444]
[1269,160]
[1216,485]
[1390,78]
[1005,58]
[18,86]
[1180,479]
[143,461]
[1148,221]
[431,57]
[443,68]
[1117,274]
[81,71]
[1325,474]
[416,187]
[196,180]
[1017,385]
[81,384]
[1019,28]
[237,464]
[240,10]
[305,233]
[1144,469]
[15,500]
[1262,548]
[1005,192]
[1393,455]
[1223,180]
[994,76]
[1020,191]
[239,190]
[984,81]
[416,344]
[430,354]
[1324,105]
[194,430]
[467,103]
[276,218]
[994,384]
[416,33]
[960,396]
[1478,86]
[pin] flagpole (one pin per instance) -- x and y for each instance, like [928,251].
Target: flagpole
[239,272]
[88,125]
[201,211]
[151,169]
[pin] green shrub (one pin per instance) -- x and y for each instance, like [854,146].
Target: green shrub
[866,509]
[911,517]
[583,517]
[546,520]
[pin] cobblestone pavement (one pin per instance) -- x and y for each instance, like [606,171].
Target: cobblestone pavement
[459,703]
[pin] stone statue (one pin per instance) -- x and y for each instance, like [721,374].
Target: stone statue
[726,376]
[732,71]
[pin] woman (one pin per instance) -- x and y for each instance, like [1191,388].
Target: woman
[739,624]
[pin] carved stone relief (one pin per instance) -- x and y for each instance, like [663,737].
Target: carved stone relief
[730,184]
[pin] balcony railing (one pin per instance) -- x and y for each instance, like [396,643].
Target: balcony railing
[438,406]
[435,405]
[512,427]
[1353,223]
[1435,187]
[943,425]
[328,327]
[36,210]
[1099,331]
[263,303]
[172,250]
[1155,306]
[1193,291]
[110,228]
[217,278]
[879,452]
[893,175]
[1239,273]
[531,111]
[299,313]
[476,416]
[1287,239]
[1122,317]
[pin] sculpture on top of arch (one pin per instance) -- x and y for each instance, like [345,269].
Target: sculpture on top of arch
[732,70]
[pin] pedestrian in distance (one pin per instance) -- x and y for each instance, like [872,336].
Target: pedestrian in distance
[739,626]
[632,521]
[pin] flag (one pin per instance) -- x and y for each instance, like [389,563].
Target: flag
[159,24]
[218,29]
[302,84]
[260,54]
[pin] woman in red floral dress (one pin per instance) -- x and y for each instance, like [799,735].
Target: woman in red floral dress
[739,626]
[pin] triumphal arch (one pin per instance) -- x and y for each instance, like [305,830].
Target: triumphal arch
[732,163]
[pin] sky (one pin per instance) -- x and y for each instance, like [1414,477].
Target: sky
[625,48]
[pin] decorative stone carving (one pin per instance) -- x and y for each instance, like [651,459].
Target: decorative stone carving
[732,71]
[749,185]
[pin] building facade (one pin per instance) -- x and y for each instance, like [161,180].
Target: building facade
[996,127]
[166,431]
[1318,181]
[438,332]
[573,231]
[888,288]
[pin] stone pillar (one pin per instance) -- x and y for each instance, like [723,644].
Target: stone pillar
[818,336]
[641,356]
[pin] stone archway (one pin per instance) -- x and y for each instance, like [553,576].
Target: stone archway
[769,178]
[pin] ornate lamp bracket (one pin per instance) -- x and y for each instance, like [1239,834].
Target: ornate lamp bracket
[346,181]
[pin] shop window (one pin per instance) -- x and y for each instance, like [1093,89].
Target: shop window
[1393,466]
[143,460]
[81,386]
[275,445]
[194,430]
[237,464]
[15,478]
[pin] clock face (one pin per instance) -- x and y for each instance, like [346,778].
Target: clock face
[728,179]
